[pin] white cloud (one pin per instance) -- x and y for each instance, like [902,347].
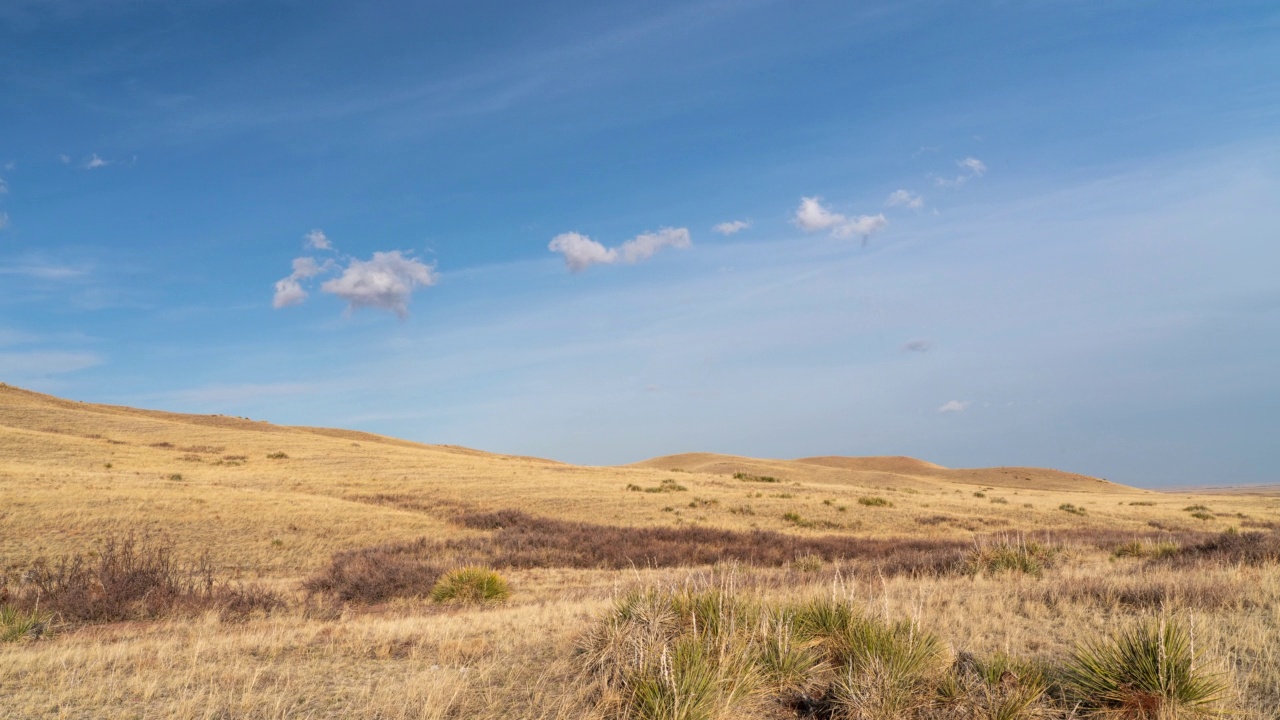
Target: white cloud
[318,240]
[731,227]
[94,162]
[43,271]
[4,220]
[64,159]
[976,167]
[581,252]
[811,216]
[954,406]
[4,187]
[646,245]
[905,198]
[971,168]
[918,345]
[289,290]
[385,282]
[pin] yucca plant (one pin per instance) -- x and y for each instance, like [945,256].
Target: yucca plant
[470,585]
[1151,671]
[17,624]
[788,663]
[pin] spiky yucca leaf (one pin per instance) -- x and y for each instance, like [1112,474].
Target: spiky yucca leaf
[1148,672]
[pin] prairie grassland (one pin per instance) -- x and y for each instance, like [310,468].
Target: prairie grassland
[345,534]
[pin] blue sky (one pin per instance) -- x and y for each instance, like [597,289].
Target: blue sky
[1039,233]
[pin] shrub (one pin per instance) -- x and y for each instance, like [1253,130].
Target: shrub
[665,486]
[1144,503]
[1234,548]
[133,579]
[17,624]
[1196,508]
[874,501]
[1146,549]
[807,563]
[795,519]
[999,501]
[1149,672]
[277,456]
[470,585]
[1073,509]
[176,477]
[1008,554]
[377,573]
[756,478]
[979,494]
[1202,515]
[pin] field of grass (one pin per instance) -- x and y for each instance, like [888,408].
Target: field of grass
[155,565]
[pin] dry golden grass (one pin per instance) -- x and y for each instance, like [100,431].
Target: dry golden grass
[281,519]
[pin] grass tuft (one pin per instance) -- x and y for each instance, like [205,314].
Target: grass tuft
[1149,672]
[470,585]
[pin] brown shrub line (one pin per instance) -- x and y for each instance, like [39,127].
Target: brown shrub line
[131,578]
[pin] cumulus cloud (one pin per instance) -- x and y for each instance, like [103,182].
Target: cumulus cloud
[317,240]
[732,226]
[581,252]
[918,345]
[646,245]
[385,282]
[970,169]
[811,216]
[904,198]
[94,162]
[954,406]
[289,290]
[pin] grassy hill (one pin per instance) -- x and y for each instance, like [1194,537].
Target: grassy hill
[344,534]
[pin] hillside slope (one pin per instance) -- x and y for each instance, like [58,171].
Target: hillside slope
[279,500]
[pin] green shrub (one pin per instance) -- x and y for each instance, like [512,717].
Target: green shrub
[277,456]
[979,494]
[16,624]
[1201,515]
[1146,549]
[1149,672]
[1073,509]
[666,486]
[1009,554]
[871,501]
[470,585]
[1196,508]
[795,519]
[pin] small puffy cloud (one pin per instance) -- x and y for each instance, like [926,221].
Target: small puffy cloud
[919,345]
[581,252]
[904,198]
[646,245]
[94,162]
[65,159]
[385,282]
[317,240]
[289,290]
[970,168]
[954,406]
[811,216]
[732,226]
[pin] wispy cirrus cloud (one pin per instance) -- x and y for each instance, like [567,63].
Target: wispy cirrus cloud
[581,252]
[41,270]
[95,161]
[732,226]
[971,168]
[813,216]
[904,198]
